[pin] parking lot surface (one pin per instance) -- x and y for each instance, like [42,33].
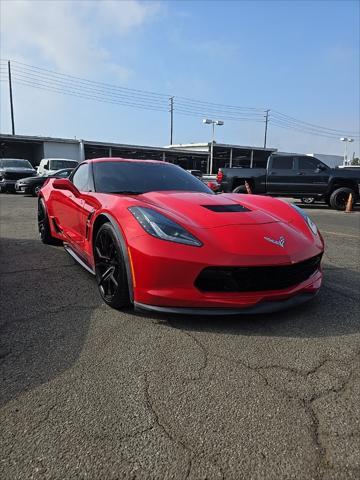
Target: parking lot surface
[92,393]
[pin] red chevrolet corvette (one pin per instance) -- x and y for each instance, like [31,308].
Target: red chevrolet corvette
[156,236]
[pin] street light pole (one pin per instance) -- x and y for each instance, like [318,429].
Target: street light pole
[212,148]
[346,140]
[266,126]
[213,123]
[11,100]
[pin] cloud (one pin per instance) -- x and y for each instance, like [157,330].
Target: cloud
[70,35]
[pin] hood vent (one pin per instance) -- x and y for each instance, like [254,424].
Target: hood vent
[226,208]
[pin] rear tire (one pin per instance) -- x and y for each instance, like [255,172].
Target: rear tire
[339,198]
[110,268]
[44,225]
[240,189]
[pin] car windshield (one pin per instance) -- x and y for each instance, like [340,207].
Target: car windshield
[59,164]
[142,177]
[14,163]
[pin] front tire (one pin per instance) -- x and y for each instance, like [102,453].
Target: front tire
[110,268]
[339,198]
[44,225]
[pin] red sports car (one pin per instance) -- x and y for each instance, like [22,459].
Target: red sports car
[156,236]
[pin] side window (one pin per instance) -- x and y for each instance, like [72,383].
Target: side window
[63,174]
[81,178]
[282,163]
[306,163]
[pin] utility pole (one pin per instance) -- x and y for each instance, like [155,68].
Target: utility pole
[266,126]
[11,100]
[171,99]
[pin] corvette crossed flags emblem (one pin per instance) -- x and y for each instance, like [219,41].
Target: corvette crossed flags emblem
[280,242]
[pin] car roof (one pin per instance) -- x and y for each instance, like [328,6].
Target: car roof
[119,159]
[62,159]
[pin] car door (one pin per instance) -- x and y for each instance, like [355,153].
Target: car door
[311,175]
[69,208]
[280,175]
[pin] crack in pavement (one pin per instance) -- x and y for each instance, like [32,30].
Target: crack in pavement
[165,429]
[307,404]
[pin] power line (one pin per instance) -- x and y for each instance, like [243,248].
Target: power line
[56,82]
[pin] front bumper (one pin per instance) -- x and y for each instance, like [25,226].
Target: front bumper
[22,187]
[164,277]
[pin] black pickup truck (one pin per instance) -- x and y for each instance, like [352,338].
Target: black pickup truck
[296,176]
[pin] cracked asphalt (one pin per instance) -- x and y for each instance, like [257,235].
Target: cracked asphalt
[91,393]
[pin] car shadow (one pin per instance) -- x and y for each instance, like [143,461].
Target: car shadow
[46,306]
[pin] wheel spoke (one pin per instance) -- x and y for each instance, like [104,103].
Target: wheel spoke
[101,255]
[106,275]
[112,278]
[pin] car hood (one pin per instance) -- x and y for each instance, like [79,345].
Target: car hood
[28,179]
[208,211]
[25,171]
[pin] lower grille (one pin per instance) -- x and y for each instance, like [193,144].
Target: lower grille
[256,279]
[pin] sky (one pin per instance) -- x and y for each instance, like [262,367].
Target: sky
[300,58]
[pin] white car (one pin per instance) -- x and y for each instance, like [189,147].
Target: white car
[48,166]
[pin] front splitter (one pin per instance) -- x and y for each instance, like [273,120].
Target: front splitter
[259,308]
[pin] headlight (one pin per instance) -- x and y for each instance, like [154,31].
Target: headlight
[162,227]
[307,219]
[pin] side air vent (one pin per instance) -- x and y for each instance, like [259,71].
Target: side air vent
[226,208]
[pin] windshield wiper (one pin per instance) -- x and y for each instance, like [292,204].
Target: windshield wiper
[127,192]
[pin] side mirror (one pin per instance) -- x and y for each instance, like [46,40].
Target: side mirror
[321,167]
[65,184]
[46,167]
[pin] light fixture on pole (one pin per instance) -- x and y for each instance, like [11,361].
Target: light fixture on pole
[213,123]
[346,140]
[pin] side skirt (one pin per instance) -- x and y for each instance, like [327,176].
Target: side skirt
[76,257]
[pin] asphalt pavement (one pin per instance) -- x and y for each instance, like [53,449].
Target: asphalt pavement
[88,392]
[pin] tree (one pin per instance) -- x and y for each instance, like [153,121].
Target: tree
[355,161]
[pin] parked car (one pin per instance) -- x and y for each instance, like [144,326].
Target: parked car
[48,166]
[156,237]
[11,169]
[297,176]
[33,185]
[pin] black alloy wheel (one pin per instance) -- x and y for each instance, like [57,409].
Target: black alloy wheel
[110,268]
[44,226]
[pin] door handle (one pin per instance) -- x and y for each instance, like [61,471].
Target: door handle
[299,173]
[272,173]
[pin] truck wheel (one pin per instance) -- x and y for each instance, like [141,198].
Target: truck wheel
[308,200]
[240,189]
[339,198]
